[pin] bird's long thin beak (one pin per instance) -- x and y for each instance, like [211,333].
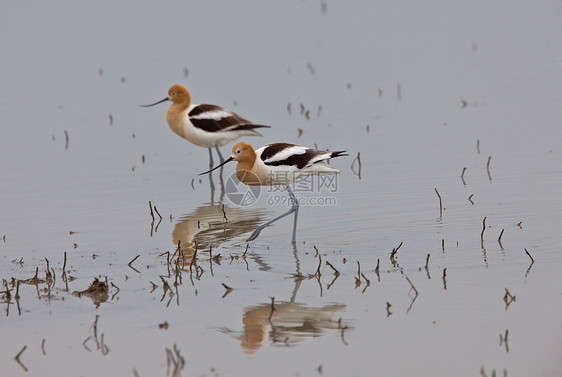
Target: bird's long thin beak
[218,166]
[155,103]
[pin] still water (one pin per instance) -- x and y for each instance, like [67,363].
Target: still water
[436,251]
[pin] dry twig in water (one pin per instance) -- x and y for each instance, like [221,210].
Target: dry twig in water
[131,262]
[377,270]
[336,275]
[151,211]
[508,298]
[158,213]
[500,239]
[272,308]
[342,328]
[317,273]
[358,160]
[116,287]
[63,276]
[529,255]
[17,358]
[482,234]
[440,203]
[224,213]
[393,253]
[315,249]
[367,281]
[336,272]
[531,265]
[211,260]
[503,340]
[415,293]
[175,360]
[227,288]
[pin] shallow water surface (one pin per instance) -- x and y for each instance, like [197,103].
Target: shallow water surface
[436,251]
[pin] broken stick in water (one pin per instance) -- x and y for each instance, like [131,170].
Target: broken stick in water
[482,234]
[272,308]
[532,259]
[129,264]
[440,204]
[17,358]
[358,160]
[531,265]
[394,251]
[151,211]
[158,213]
[336,272]
[500,239]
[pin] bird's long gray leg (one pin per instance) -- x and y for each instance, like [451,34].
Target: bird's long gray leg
[294,208]
[220,172]
[220,154]
[211,183]
[210,159]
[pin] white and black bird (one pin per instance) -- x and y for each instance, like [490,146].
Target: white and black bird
[279,164]
[208,126]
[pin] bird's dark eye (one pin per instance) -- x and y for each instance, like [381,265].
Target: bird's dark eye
[238,151]
[173,93]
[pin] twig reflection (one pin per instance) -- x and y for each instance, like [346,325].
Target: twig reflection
[412,288]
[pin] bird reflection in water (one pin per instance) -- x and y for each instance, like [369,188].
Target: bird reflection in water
[287,323]
[210,225]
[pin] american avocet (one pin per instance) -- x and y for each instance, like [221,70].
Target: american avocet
[204,125]
[279,164]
